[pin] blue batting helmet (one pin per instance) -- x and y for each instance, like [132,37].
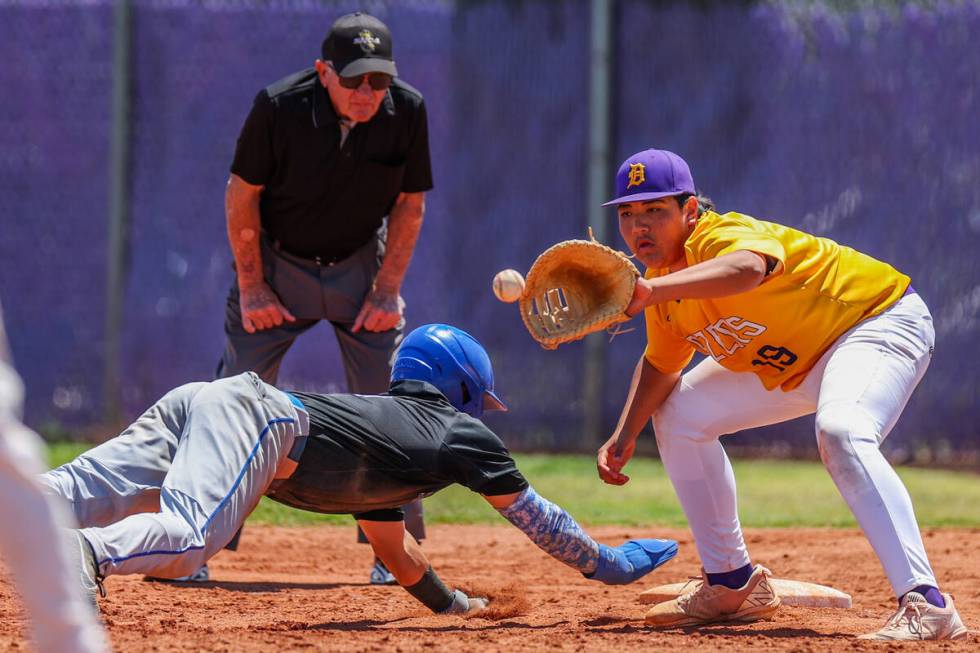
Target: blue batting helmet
[454,362]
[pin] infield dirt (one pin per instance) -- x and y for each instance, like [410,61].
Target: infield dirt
[305,589]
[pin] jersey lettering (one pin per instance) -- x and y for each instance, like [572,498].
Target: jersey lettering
[726,336]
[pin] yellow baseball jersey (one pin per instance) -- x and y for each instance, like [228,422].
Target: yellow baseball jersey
[781,328]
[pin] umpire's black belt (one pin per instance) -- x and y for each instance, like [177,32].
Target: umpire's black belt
[323,261]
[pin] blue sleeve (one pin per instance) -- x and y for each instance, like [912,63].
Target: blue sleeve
[553,530]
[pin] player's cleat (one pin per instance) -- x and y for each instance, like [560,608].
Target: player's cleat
[713,603]
[81,561]
[918,619]
[380,574]
[202,575]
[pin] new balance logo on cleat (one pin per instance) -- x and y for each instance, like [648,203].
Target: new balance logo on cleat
[761,595]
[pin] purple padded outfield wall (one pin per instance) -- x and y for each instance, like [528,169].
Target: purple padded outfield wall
[55,66]
[859,125]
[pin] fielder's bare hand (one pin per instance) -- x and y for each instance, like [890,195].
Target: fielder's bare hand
[382,310]
[261,308]
[612,457]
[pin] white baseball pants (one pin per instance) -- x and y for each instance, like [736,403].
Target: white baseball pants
[31,536]
[858,389]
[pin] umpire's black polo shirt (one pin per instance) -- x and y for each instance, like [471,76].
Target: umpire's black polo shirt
[319,199]
[369,454]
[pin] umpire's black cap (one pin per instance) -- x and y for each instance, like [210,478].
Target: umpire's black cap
[359,43]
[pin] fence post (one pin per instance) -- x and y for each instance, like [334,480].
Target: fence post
[600,90]
[118,226]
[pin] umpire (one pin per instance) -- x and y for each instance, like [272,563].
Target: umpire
[324,156]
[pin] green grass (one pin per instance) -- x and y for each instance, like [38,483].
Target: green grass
[772,493]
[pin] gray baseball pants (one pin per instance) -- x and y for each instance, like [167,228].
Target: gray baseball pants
[172,489]
[313,292]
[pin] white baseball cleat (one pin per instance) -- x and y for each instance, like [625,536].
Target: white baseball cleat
[714,603]
[380,574]
[201,575]
[918,619]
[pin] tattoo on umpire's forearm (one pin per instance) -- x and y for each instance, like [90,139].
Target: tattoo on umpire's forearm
[553,530]
[245,249]
[246,265]
[244,226]
[404,224]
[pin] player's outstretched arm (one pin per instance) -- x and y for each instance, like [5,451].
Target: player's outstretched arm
[404,558]
[560,536]
[729,274]
[648,391]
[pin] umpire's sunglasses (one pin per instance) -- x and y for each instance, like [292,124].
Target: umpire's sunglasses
[378,81]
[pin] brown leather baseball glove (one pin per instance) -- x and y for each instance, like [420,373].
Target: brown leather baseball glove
[575,288]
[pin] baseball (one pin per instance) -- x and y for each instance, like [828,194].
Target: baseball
[508,285]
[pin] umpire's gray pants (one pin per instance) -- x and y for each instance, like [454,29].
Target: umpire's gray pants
[172,489]
[312,293]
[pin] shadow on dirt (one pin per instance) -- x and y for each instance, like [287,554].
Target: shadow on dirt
[777,633]
[609,620]
[632,625]
[383,625]
[262,586]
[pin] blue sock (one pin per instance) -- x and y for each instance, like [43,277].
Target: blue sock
[732,579]
[932,594]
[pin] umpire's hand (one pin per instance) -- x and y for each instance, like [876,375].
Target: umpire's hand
[382,310]
[261,308]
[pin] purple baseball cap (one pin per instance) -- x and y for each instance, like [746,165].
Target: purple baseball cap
[650,175]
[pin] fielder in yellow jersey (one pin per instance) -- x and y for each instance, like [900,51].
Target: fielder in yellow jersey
[791,324]
[815,292]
